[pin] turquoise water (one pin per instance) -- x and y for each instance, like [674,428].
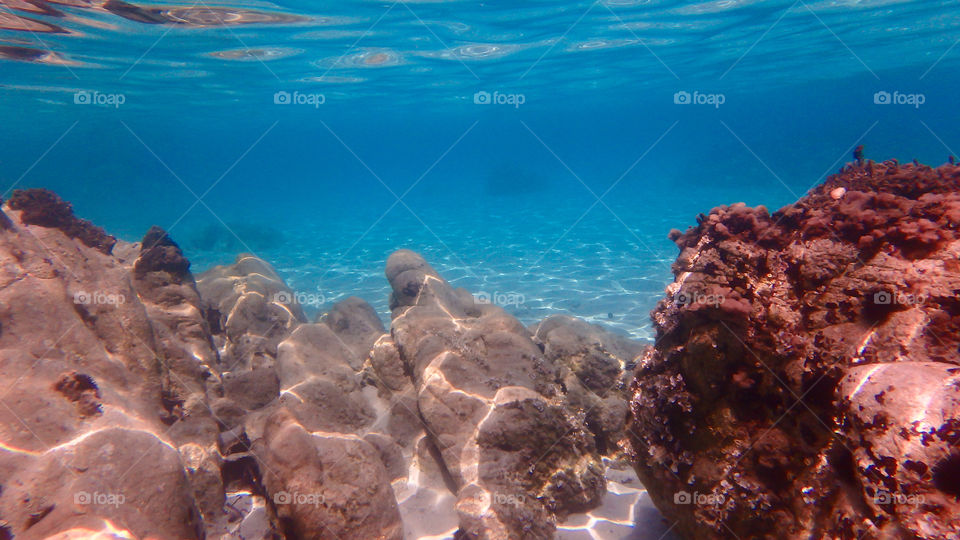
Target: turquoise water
[538,152]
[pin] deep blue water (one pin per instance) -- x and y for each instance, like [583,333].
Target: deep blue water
[557,199]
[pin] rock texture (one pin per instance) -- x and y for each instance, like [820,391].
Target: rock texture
[140,402]
[90,433]
[596,369]
[493,405]
[806,375]
[294,408]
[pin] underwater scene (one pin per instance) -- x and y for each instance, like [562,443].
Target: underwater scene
[444,269]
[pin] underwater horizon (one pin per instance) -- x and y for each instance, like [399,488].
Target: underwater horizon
[536,154]
[504,195]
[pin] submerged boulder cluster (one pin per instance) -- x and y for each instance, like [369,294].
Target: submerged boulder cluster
[805,381]
[141,402]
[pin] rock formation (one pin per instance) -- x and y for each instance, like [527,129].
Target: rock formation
[805,380]
[90,438]
[141,402]
[493,405]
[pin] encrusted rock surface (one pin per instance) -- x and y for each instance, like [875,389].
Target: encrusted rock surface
[804,381]
[139,402]
[46,209]
[596,368]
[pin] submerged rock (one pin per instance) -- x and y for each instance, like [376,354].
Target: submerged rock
[294,396]
[44,208]
[165,286]
[98,403]
[596,367]
[327,485]
[493,406]
[250,311]
[803,382]
[143,403]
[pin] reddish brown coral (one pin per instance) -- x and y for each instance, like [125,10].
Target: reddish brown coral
[44,208]
[81,389]
[752,401]
[160,253]
[913,208]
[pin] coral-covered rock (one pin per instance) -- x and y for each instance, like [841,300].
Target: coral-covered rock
[44,208]
[801,382]
[159,253]
[901,423]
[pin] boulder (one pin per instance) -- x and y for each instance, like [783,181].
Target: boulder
[326,484]
[596,367]
[492,405]
[801,381]
[249,310]
[91,428]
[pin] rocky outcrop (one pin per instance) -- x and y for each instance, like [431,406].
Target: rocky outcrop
[295,408]
[250,310]
[804,383]
[804,378]
[493,406]
[192,378]
[141,402]
[327,484]
[596,368]
[46,209]
[87,432]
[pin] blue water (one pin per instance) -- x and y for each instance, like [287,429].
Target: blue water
[533,151]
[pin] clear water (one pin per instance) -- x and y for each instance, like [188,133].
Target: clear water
[555,196]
